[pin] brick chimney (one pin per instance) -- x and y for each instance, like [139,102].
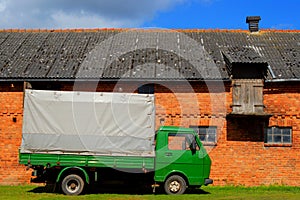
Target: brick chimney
[253,22]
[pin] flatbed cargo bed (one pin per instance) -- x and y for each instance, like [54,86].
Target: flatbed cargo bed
[122,162]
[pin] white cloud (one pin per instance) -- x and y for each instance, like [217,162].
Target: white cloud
[62,19]
[80,13]
[2,5]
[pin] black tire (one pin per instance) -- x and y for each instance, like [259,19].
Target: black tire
[175,185]
[72,185]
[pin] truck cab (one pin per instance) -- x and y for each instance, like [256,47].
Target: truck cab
[181,160]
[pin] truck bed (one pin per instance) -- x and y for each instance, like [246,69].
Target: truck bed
[51,160]
[88,123]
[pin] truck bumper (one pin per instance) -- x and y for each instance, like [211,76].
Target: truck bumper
[208,181]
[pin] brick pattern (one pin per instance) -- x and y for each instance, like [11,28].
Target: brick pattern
[11,114]
[240,156]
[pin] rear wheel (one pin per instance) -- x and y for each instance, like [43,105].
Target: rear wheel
[175,185]
[72,185]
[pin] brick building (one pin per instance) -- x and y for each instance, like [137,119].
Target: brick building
[239,89]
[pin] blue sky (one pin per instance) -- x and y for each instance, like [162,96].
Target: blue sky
[230,14]
[202,14]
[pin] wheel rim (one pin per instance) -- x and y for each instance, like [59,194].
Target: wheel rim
[72,186]
[174,186]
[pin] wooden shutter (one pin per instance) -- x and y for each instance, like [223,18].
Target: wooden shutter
[247,96]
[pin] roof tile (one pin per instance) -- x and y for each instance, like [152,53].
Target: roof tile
[139,54]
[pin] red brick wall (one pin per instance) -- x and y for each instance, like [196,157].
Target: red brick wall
[240,156]
[199,104]
[11,109]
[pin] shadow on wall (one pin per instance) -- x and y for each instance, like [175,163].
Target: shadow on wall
[246,128]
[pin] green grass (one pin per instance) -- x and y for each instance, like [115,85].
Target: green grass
[32,192]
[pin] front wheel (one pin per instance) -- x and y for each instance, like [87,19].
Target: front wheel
[175,185]
[72,185]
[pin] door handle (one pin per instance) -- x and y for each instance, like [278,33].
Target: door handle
[168,154]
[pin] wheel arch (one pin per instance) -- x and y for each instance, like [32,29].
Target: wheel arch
[179,173]
[73,170]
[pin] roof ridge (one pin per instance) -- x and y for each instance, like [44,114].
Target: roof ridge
[144,30]
[62,30]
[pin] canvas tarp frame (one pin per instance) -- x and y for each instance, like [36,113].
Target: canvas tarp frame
[88,123]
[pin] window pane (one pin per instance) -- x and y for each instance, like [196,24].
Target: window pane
[206,134]
[211,131]
[286,139]
[277,131]
[286,131]
[176,142]
[202,137]
[202,130]
[146,89]
[277,139]
[180,141]
[269,131]
[211,138]
[270,138]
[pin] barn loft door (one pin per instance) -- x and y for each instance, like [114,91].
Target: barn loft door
[247,96]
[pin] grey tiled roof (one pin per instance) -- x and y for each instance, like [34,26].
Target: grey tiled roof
[144,54]
[242,55]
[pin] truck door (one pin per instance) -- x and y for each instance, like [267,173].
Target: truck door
[180,155]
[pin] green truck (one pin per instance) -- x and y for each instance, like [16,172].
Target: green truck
[78,139]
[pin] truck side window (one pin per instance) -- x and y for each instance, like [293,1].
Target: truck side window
[180,142]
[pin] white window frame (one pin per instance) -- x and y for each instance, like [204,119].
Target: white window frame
[273,133]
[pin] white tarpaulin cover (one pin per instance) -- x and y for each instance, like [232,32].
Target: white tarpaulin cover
[90,123]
